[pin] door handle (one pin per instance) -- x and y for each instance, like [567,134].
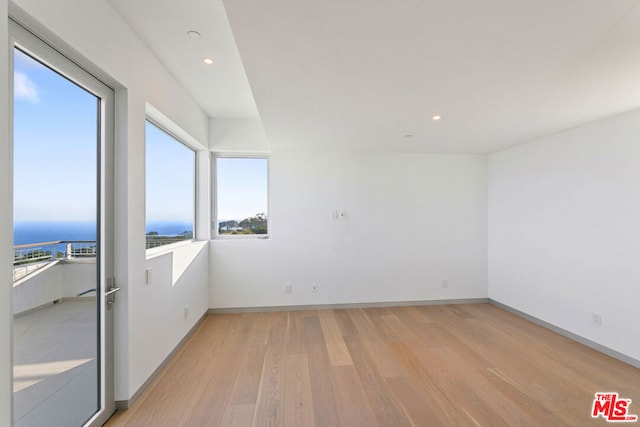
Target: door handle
[110,295]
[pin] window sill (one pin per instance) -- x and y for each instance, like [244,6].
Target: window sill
[243,237]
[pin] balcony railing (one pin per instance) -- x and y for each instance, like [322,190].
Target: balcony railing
[32,257]
[153,241]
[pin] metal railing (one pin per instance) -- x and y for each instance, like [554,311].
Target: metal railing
[153,241]
[81,249]
[32,257]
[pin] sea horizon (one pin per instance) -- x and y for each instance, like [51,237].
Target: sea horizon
[27,232]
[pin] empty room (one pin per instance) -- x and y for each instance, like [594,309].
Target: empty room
[329,213]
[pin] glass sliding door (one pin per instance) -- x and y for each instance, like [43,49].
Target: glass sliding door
[62,174]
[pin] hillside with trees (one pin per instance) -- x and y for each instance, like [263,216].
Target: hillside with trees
[253,225]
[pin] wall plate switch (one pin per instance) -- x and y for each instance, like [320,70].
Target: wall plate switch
[596,318]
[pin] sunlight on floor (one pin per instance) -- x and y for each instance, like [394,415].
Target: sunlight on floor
[31,374]
[55,366]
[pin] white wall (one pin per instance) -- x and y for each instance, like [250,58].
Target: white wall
[564,227]
[6,230]
[39,288]
[108,47]
[57,280]
[178,278]
[237,136]
[412,220]
[77,276]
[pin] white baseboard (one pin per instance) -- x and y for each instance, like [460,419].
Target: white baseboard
[591,344]
[123,405]
[348,305]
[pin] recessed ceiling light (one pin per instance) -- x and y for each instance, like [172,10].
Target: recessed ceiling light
[193,34]
[208,61]
[436,117]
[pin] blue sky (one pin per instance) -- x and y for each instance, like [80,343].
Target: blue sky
[55,159]
[55,127]
[170,175]
[241,187]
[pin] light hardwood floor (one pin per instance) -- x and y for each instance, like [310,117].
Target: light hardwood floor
[472,364]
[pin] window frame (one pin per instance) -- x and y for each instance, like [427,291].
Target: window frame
[158,124]
[214,199]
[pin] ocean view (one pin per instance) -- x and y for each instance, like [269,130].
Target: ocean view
[36,232]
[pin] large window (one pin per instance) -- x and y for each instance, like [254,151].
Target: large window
[242,196]
[170,182]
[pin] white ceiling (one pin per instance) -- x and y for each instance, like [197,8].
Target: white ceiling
[222,89]
[359,75]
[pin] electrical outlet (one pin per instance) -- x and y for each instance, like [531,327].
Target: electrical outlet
[445,283]
[148,276]
[596,318]
[186,311]
[288,289]
[314,288]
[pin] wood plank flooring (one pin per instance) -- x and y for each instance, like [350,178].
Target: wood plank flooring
[448,365]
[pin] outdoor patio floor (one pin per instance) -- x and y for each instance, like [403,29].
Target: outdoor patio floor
[55,370]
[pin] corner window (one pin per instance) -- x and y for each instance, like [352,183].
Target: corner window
[170,188]
[242,202]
